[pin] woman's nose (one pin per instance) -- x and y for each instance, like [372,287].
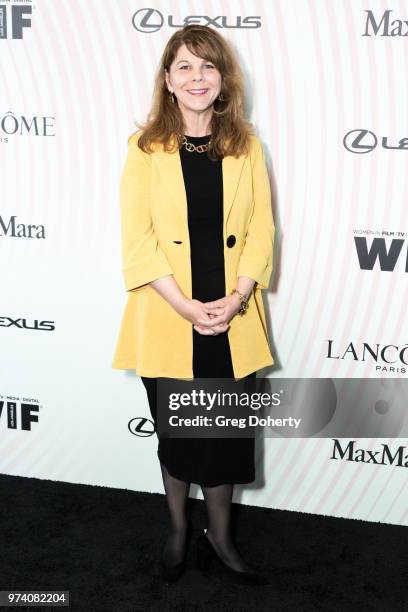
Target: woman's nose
[197,76]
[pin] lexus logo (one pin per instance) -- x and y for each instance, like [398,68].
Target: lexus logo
[360,141]
[147,20]
[142,427]
[364,141]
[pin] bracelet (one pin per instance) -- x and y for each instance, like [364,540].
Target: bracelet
[244,302]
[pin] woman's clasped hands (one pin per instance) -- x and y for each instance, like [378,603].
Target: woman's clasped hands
[212,318]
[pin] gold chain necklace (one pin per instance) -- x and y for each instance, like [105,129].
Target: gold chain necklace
[191,147]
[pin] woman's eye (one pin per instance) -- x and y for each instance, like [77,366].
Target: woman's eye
[206,65]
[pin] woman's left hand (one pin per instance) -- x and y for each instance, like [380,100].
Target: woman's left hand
[220,312]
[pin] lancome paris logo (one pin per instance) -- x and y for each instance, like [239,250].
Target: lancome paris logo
[148,21]
[14,18]
[388,358]
[11,229]
[18,413]
[386,247]
[20,125]
[383,456]
[384,26]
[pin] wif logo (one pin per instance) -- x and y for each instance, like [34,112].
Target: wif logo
[387,257]
[16,414]
[13,19]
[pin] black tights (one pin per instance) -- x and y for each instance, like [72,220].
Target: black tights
[218,501]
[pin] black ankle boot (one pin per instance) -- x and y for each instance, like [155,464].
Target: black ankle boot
[206,555]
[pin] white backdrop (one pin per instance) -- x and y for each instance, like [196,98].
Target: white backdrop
[74,75]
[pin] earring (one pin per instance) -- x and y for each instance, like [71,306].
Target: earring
[221,98]
[171,95]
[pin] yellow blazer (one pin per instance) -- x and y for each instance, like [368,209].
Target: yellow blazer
[154,339]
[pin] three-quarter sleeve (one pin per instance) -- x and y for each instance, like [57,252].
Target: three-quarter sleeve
[256,259]
[142,259]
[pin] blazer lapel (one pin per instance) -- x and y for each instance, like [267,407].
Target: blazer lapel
[231,174]
[169,166]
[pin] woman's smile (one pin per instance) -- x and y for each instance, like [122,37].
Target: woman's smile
[197,92]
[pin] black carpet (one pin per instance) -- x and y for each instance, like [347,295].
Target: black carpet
[102,545]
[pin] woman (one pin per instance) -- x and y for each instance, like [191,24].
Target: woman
[197,238]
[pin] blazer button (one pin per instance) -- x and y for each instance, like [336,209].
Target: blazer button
[231,240]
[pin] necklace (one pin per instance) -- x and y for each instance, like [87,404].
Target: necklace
[189,146]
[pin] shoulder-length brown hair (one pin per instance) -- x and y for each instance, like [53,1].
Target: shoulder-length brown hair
[229,128]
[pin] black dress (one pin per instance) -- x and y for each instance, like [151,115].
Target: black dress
[206,461]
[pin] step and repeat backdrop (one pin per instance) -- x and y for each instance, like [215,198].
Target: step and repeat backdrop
[327,92]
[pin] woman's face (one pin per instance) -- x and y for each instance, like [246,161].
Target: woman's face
[189,75]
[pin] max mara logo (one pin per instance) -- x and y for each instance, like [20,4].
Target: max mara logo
[379,457]
[384,26]
[20,230]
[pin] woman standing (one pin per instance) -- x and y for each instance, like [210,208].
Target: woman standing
[197,239]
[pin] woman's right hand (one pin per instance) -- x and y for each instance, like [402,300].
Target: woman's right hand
[196,312]
[191,309]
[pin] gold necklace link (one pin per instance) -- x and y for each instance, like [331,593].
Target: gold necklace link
[191,147]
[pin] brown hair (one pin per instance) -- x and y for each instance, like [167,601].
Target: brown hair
[229,128]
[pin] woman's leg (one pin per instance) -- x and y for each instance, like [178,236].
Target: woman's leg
[218,502]
[176,494]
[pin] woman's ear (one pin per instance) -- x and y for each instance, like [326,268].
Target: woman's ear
[166,78]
